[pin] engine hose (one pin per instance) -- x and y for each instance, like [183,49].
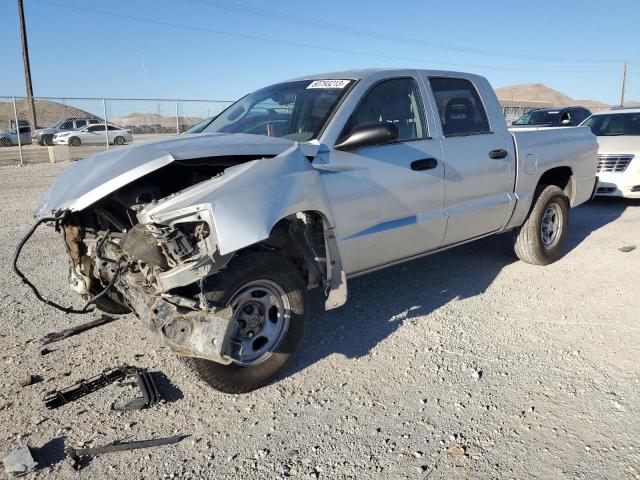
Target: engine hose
[51,303]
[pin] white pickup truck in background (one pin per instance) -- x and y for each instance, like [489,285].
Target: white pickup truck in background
[215,238]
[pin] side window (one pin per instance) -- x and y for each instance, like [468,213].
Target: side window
[96,128]
[80,123]
[67,125]
[111,127]
[394,101]
[461,111]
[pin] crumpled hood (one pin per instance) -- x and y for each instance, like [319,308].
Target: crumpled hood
[91,179]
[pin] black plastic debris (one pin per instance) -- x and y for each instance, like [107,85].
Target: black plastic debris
[148,389]
[70,332]
[144,379]
[76,454]
[627,248]
[19,462]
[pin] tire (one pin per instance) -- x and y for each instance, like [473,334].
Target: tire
[47,140]
[535,244]
[119,140]
[245,271]
[74,142]
[107,304]
[5,142]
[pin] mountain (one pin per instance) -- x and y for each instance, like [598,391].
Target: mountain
[47,112]
[540,95]
[140,118]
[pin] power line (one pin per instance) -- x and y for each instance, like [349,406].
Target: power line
[260,12]
[304,45]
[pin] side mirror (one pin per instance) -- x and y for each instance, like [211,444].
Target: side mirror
[368,135]
[565,121]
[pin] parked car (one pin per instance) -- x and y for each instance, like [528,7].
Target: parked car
[215,239]
[44,136]
[9,138]
[553,117]
[93,135]
[618,132]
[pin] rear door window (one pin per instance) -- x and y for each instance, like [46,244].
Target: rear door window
[459,106]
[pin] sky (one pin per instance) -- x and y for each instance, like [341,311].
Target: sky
[223,49]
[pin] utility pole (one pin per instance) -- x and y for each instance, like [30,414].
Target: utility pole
[27,68]
[624,81]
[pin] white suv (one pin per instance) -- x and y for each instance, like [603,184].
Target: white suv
[618,132]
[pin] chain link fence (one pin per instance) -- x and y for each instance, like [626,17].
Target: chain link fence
[73,128]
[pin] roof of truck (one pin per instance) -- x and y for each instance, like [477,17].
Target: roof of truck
[375,72]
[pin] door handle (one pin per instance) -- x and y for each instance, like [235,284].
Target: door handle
[424,164]
[500,153]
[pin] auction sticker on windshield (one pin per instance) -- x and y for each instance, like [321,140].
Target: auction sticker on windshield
[329,84]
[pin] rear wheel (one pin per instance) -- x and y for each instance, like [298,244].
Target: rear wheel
[5,142]
[74,142]
[47,140]
[540,240]
[267,295]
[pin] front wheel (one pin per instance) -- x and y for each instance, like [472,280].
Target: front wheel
[74,142]
[268,296]
[540,240]
[119,140]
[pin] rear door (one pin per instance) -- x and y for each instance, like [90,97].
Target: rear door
[479,160]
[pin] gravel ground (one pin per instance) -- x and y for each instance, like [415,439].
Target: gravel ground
[465,364]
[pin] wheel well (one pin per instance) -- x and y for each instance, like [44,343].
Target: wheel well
[300,237]
[561,177]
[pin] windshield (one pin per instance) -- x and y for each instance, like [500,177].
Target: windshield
[294,110]
[613,124]
[539,117]
[198,127]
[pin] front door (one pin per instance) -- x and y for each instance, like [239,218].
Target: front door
[388,200]
[479,163]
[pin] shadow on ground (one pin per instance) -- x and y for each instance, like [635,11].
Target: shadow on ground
[50,453]
[380,302]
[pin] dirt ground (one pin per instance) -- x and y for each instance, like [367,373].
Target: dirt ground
[466,364]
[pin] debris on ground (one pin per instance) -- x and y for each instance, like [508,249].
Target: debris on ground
[19,462]
[148,389]
[26,381]
[627,248]
[455,452]
[70,332]
[57,398]
[150,395]
[76,454]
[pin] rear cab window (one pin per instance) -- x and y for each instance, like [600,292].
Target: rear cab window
[459,106]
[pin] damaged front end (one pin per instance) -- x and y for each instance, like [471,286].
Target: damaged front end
[153,245]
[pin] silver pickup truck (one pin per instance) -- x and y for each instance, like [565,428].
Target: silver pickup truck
[215,239]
